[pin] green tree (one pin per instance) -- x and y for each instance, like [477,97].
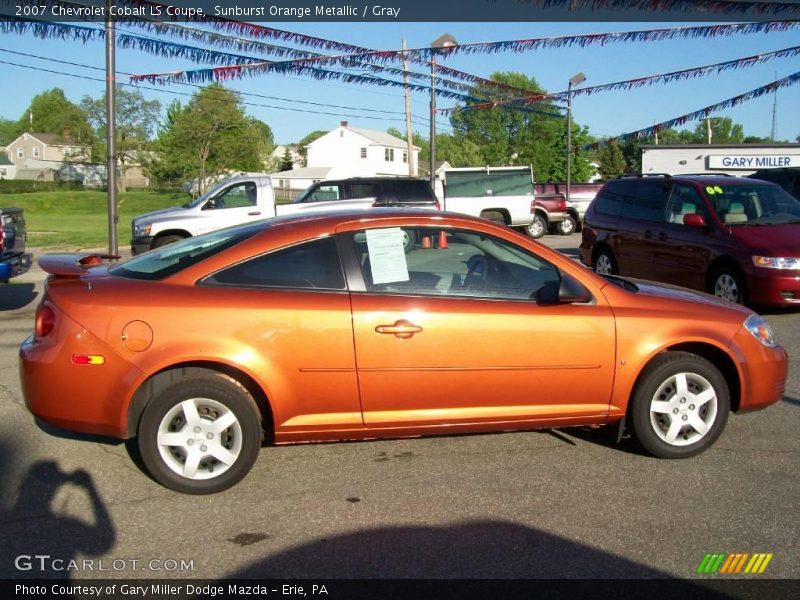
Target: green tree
[458,151]
[532,134]
[723,131]
[612,162]
[301,145]
[286,164]
[208,136]
[136,121]
[9,131]
[52,112]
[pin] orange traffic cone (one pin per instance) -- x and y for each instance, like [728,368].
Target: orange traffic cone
[426,241]
[442,240]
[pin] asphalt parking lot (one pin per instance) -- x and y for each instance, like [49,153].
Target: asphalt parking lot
[546,504]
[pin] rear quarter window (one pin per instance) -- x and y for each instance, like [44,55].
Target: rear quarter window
[634,199]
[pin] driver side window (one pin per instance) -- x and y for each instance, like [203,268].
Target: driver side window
[237,196]
[427,261]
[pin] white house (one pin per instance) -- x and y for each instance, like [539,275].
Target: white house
[362,152]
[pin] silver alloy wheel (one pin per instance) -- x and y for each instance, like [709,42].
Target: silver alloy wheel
[725,287]
[683,409]
[602,265]
[536,229]
[199,438]
[567,226]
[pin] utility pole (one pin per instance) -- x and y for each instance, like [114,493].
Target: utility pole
[708,130]
[655,129]
[111,133]
[773,132]
[409,134]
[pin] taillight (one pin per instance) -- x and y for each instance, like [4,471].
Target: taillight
[533,206]
[562,205]
[438,204]
[45,321]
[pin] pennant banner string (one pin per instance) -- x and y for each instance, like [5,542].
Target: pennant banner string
[684,74]
[703,113]
[713,6]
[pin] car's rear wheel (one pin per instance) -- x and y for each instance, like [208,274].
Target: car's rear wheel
[727,283]
[201,434]
[566,227]
[604,262]
[537,228]
[680,405]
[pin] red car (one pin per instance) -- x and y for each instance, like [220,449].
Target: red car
[333,327]
[736,238]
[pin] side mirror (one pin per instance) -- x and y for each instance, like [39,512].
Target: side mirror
[568,291]
[694,220]
[571,291]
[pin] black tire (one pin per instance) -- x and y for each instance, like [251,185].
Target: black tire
[604,259]
[727,282]
[537,228]
[213,395]
[684,424]
[566,227]
[495,216]
[163,240]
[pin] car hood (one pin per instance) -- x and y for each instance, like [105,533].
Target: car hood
[163,214]
[674,292]
[769,240]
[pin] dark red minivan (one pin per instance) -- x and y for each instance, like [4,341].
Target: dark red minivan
[736,238]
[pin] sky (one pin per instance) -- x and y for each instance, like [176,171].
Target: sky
[293,100]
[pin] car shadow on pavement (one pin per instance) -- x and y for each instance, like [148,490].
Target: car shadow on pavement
[606,437]
[790,400]
[14,296]
[40,533]
[482,549]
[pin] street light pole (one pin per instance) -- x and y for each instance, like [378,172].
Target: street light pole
[575,80]
[444,41]
[111,133]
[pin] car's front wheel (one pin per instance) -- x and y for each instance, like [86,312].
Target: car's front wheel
[680,405]
[201,434]
[725,282]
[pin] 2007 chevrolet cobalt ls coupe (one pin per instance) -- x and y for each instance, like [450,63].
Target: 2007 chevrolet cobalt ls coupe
[397,323]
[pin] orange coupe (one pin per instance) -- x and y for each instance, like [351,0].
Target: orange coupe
[387,324]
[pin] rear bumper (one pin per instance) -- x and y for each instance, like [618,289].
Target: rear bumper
[13,264]
[56,390]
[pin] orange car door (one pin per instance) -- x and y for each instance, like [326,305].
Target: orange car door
[445,343]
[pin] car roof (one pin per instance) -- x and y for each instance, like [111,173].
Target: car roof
[367,179]
[699,179]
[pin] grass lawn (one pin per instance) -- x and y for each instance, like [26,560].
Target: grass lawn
[79,219]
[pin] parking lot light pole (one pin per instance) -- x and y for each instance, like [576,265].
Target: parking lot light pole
[575,80]
[444,41]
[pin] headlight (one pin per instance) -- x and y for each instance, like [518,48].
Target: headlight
[141,229]
[776,262]
[760,330]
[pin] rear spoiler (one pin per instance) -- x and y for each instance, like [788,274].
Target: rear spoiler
[72,265]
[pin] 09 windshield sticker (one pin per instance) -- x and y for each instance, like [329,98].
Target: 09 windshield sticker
[714,189]
[387,257]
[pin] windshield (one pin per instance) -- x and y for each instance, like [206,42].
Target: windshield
[753,204]
[173,258]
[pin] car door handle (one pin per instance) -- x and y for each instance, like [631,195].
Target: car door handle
[402,329]
[254,214]
[648,234]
